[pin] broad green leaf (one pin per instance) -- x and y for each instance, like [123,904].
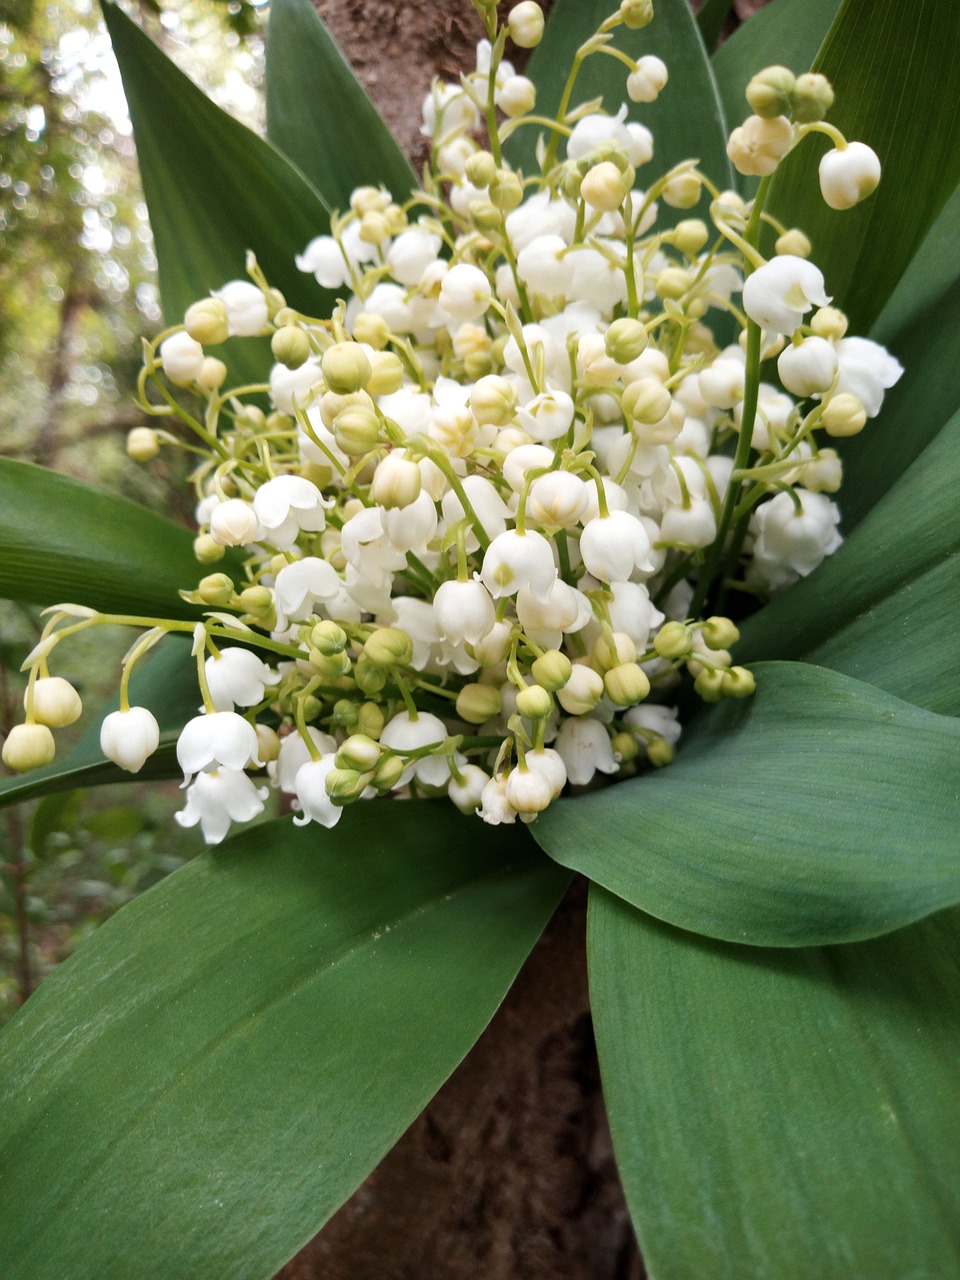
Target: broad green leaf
[894,71]
[318,114]
[62,541]
[931,276]
[54,813]
[205,1081]
[214,190]
[819,810]
[787,33]
[778,1115]
[884,608]
[711,19]
[166,684]
[679,132]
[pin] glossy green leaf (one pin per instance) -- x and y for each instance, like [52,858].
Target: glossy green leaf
[787,32]
[206,1080]
[61,541]
[711,19]
[165,683]
[778,1115]
[679,132]
[318,114]
[884,607]
[819,810]
[214,190]
[894,71]
[929,279]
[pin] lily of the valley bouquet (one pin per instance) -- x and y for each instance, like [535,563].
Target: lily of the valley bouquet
[495,473]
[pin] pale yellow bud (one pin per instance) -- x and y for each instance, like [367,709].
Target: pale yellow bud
[396,483]
[829,323]
[28,746]
[371,328]
[370,720]
[369,199]
[582,691]
[626,685]
[673,640]
[142,444]
[388,647]
[613,650]
[216,589]
[493,401]
[359,752]
[206,550]
[506,190]
[534,702]
[206,322]
[758,146]
[480,169]
[659,752]
[625,340]
[213,374]
[268,743]
[812,97]
[672,282]
[525,24]
[738,682]
[345,367]
[356,430]
[386,374]
[478,703]
[844,415]
[55,702]
[636,13]
[683,191]
[690,236]
[603,187]
[552,670]
[793,242]
[290,346]
[374,227]
[647,400]
[719,633]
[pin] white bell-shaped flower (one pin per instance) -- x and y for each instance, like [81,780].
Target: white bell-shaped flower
[285,506]
[465,613]
[246,308]
[238,678]
[563,611]
[780,293]
[514,560]
[495,808]
[528,791]
[217,798]
[647,79]
[182,359]
[694,525]
[867,370]
[466,292]
[412,527]
[130,737]
[658,719]
[406,733]
[584,746]
[543,267]
[324,259]
[489,508]
[411,253]
[797,538]
[301,585]
[294,752]
[849,176]
[557,500]
[217,738]
[310,786]
[294,385]
[550,764]
[808,367]
[467,792]
[524,458]
[633,612]
[548,416]
[614,546]
[234,523]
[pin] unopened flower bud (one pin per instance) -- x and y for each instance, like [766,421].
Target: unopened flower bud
[374,227]
[142,444]
[582,691]
[673,640]
[849,176]
[770,92]
[843,415]
[534,702]
[719,633]
[291,346]
[359,752]
[28,746]
[613,649]
[812,97]
[552,670]
[759,144]
[389,772]
[793,242]
[625,746]
[709,684]
[213,374]
[636,13]
[356,430]
[659,752]
[477,703]
[344,785]
[493,648]
[603,187]
[386,373]
[738,682]
[647,79]
[683,191]
[233,523]
[371,328]
[328,637]
[626,685]
[55,702]
[206,322]
[830,323]
[216,589]
[517,96]
[493,400]
[647,400]
[257,601]
[571,182]
[345,367]
[181,358]
[206,550]
[672,282]
[690,236]
[480,169]
[370,720]
[625,340]
[388,647]
[525,24]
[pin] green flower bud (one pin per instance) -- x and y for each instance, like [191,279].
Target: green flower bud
[206,550]
[812,97]
[330,665]
[613,649]
[647,400]
[485,215]
[328,638]
[659,752]
[738,682]
[250,417]
[690,236]
[142,444]
[843,415]
[719,633]
[534,702]
[552,670]
[477,365]
[291,346]
[28,746]
[55,702]
[673,282]
[346,714]
[477,703]
[345,367]
[356,430]
[625,339]
[673,640]
[359,752]
[506,190]
[636,13]
[709,684]
[625,746]
[268,743]
[386,374]
[216,589]
[370,678]
[770,92]
[374,227]
[344,785]
[683,191]
[626,685]
[793,242]
[257,601]
[480,169]
[371,720]
[371,328]
[388,647]
[389,772]
[571,181]
[206,322]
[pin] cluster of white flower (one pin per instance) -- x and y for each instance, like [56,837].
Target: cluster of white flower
[501,486]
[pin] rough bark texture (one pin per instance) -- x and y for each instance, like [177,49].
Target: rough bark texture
[509,1173]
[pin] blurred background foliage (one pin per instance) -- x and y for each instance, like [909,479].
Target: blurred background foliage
[77,291]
